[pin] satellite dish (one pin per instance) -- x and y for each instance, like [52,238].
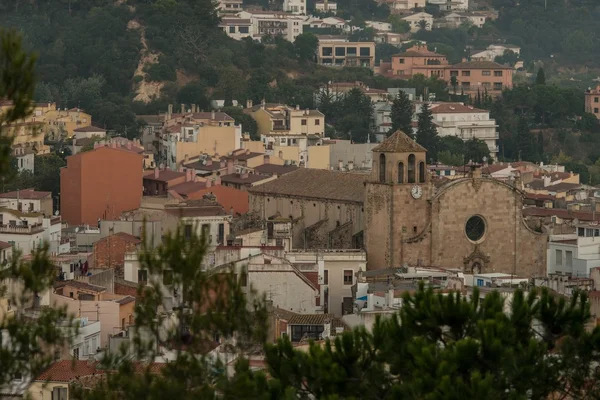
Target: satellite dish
[76,229]
[56,212]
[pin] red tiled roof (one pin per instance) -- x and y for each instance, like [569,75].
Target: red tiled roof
[560,213]
[479,65]
[230,198]
[188,187]
[238,178]
[26,194]
[164,175]
[4,245]
[66,371]
[273,169]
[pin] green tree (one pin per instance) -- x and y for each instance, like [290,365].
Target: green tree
[398,24]
[212,304]
[477,150]
[306,46]
[526,147]
[422,24]
[452,347]
[540,78]
[194,93]
[401,115]
[30,344]
[356,116]
[454,83]
[248,123]
[427,135]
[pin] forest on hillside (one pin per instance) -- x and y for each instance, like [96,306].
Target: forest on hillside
[116,59]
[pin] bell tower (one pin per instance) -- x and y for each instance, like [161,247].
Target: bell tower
[396,206]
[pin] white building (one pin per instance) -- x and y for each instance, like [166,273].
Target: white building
[414,20]
[89,132]
[236,28]
[575,254]
[229,6]
[379,26]
[326,6]
[495,50]
[87,342]
[382,111]
[497,279]
[297,7]
[25,158]
[465,122]
[29,231]
[274,23]
[335,271]
[447,5]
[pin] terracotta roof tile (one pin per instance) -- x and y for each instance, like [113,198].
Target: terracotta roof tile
[317,184]
[26,194]
[399,142]
[164,175]
[66,371]
[80,285]
[122,235]
[273,169]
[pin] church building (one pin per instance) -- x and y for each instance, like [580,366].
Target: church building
[473,223]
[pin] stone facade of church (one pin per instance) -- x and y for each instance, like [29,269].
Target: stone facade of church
[473,223]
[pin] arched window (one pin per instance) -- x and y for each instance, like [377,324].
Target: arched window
[411,169]
[382,168]
[422,172]
[400,172]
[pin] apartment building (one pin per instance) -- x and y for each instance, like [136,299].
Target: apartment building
[592,101]
[466,122]
[90,193]
[274,23]
[418,60]
[346,54]
[481,76]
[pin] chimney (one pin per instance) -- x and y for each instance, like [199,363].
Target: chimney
[244,175]
[189,175]
[248,103]
[230,169]
[170,112]
[223,163]
[390,296]
[212,115]
[546,180]
[208,161]
[350,165]
[340,165]
[297,107]
[476,171]
[208,183]
[185,159]
[129,145]
[183,108]
[156,173]
[262,104]
[266,159]
[193,108]
[306,112]
[217,182]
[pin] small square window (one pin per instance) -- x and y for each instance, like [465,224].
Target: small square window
[466,73]
[486,73]
[303,122]
[348,275]
[317,121]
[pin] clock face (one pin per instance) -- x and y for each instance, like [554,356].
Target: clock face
[416,191]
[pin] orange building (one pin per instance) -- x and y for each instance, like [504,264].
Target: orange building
[100,184]
[418,60]
[480,76]
[592,101]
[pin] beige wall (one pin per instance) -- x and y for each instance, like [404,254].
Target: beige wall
[255,146]
[263,121]
[318,157]
[211,140]
[107,311]
[287,153]
[43,390]
[315,123]
[479,80]
[307,212]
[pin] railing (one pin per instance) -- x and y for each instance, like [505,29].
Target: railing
[21,229]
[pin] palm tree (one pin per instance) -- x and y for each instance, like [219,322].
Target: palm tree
[423,24]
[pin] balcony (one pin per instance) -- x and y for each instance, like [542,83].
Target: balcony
[22,230]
